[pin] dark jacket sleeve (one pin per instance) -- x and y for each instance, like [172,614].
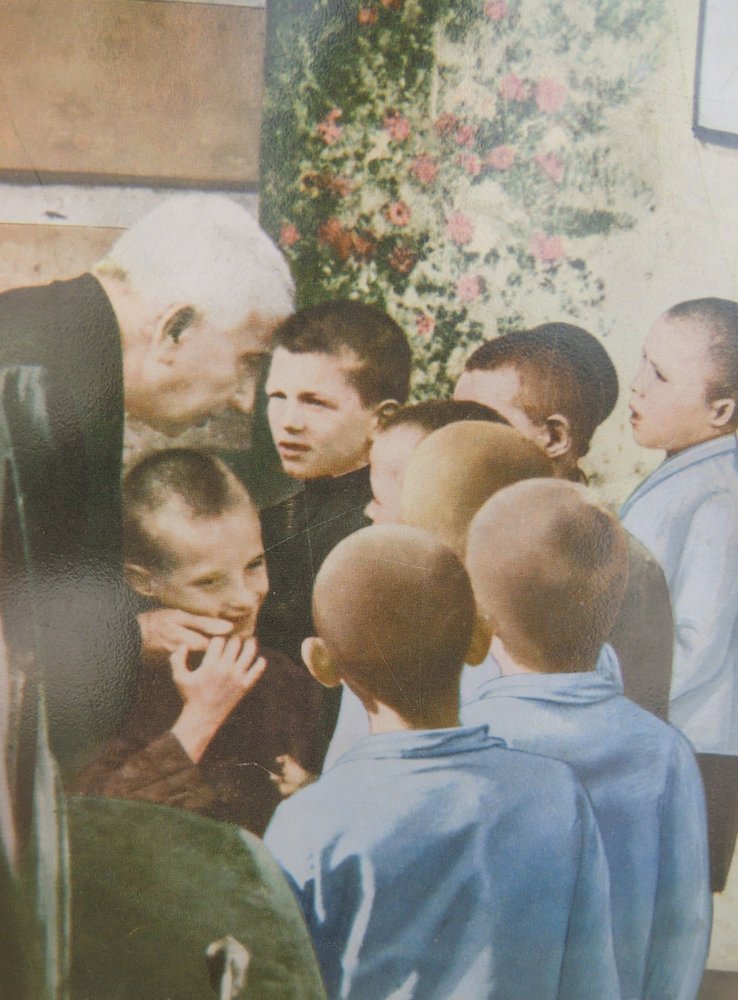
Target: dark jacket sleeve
[159,772]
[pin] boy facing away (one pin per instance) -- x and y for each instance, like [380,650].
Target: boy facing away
[556,384]
[210,736]
[430,861]
[548,567]
[684,400]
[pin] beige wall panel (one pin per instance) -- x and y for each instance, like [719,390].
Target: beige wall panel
[131,89]
[34,255]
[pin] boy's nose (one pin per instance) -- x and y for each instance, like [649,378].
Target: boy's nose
[637,382]
[292,418]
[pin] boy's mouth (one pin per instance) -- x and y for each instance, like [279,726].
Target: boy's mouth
[244,626]
[292,447]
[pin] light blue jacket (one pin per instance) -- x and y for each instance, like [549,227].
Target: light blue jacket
[440,865]
[686,513]
[646,791]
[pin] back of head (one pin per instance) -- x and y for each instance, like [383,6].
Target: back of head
[374,338]
[205,251]
[432,414]
[395,609]
[562,369]
[719,320]
[203,485]
[549,568]
[456,469]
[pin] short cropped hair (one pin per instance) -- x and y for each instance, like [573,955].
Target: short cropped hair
[549,567]
[395,609]
[202,483]
[562,369]
[719,317]
[205,251]
[374,337]
[433,414]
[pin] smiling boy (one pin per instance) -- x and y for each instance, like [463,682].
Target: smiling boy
[684,401]
[212,738]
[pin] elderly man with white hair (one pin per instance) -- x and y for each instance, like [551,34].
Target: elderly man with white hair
[169,328]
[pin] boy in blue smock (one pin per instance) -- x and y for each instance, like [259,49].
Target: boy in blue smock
[548,567]
[683,400]
[430,861]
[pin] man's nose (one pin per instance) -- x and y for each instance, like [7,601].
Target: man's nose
[244,397]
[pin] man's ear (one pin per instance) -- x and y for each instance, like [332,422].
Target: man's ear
[383,411]
[723,411]
[139,579]
[319,663]
[173,324]
[480,641]
[557,440]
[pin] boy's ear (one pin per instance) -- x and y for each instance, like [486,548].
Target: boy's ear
[481,639]
[557,440]
[172,324]
[139,579]
[383,411]
[319,663]
[723,411]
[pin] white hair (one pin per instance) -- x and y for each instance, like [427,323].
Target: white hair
[206,251]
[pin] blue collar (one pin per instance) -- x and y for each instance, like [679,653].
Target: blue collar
[420,743]
[726,444]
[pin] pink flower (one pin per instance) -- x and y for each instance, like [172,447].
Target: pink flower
[551,165]
[340,186]
[512,88]
[469,287]
[289,234]
[328,131]
[550,94]
[392,4]
[403,259]
[425,324]
[465,135]
[471,163]
[500,158]
[367,15]
[398,213]
[496,9]
[459,228]
[446,123]
[547,250]
[424,168]
[398,126]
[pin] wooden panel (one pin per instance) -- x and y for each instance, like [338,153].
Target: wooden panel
[129,89]
[34,255]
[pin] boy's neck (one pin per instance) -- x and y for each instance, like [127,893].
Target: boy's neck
[443,715]
[510,667]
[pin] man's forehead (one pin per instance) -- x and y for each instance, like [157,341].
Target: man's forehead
[254,335]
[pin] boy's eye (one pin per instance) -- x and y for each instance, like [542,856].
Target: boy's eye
[255,564]
[207,582]
[276,395]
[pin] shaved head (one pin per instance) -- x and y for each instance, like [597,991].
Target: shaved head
[548,566]
[456,469]
[395,610]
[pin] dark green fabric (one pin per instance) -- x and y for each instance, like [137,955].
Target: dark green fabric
[67,431]
[152,887]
